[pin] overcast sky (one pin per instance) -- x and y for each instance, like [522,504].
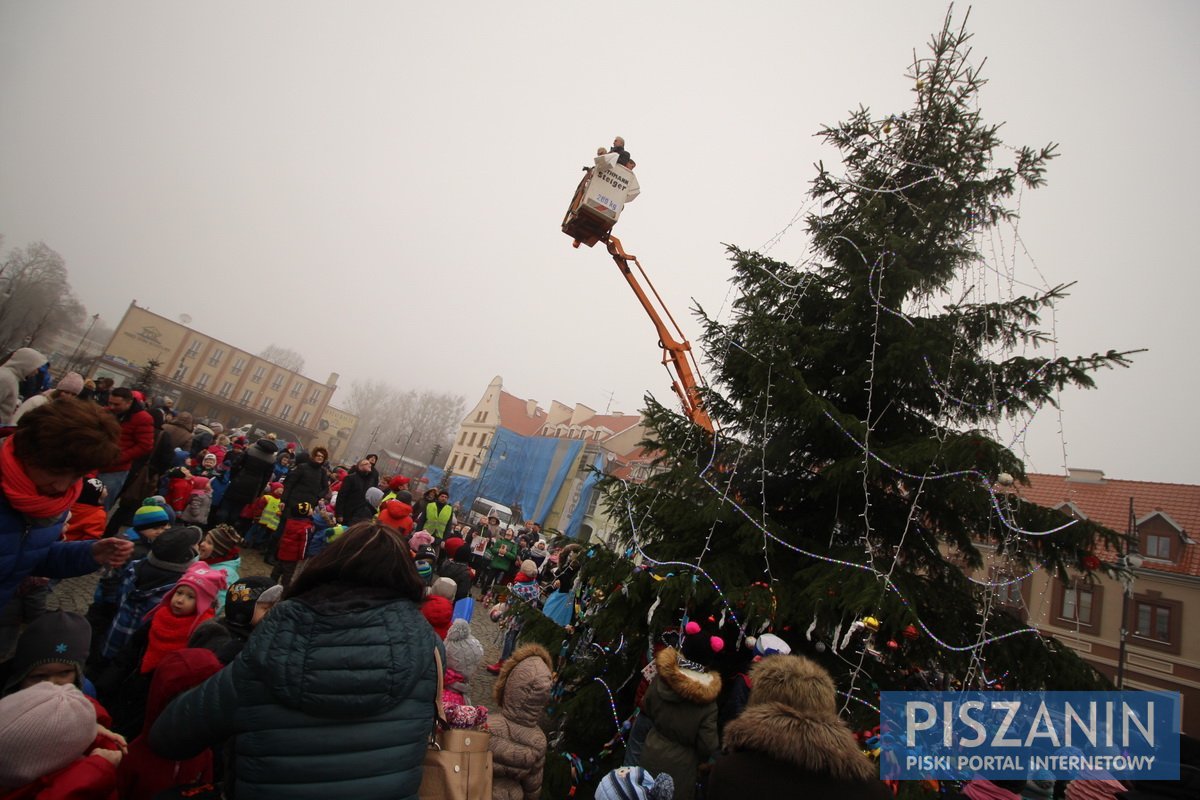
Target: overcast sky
[379,185]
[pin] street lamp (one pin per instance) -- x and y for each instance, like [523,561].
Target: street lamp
[407,442]
[1128,562]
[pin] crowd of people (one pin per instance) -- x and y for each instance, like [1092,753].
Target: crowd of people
[188,678]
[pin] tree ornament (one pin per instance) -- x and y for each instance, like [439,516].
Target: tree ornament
[893,644]
[911,632]
[1090,563]
[870,623]
[1004,479]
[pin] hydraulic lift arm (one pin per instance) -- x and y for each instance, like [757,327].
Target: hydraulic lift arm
[677,352]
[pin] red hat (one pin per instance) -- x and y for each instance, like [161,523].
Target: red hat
[275,486]
[397,482]
[452,544]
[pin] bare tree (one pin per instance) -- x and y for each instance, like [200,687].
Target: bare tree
[410,423]
[284,357]
[36,298]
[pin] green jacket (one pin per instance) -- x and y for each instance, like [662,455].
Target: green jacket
[333,696]
[505,560]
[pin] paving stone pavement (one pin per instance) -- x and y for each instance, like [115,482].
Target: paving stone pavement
[75,594]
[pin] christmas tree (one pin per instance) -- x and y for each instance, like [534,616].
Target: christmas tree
[862,469]
[147,379]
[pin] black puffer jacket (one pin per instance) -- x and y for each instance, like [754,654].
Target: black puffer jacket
[333,696]
[249,478]
[308,482]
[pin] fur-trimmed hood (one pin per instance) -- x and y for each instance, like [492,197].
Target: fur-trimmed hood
[695,687]
[811,743]
[531,673]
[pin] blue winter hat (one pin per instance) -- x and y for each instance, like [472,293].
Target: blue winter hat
[635,783]
[150,517]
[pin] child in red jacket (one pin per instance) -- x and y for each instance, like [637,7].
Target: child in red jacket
[293,544]
[143,774]
[47,733]
[181,612]
[88,518]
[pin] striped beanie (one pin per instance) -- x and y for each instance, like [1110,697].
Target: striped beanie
[150,517]
[635,783]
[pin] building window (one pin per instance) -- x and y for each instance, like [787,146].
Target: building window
[296,389]
[1153,622]
[314,396]
[304,417]
[246,397]
[462,438]
[259,372]
[472,442]
[215,359]
[481,416]
[226,388]
[593,501]
[194,349]
[1157,546]
[238,366]
[277,384]
[266,405]
[1077,604]
[179,373]
[285,412]
[202,382]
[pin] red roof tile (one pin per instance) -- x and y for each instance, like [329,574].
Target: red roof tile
[514,417]
[1107,503]
[613,422]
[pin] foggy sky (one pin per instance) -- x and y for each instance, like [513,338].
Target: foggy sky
[380,185]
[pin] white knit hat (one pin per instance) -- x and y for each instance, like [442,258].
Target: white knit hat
[43,729]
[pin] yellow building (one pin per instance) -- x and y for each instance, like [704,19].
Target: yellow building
[334,432]
[213,379]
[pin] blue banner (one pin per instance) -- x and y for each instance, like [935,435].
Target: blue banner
[1010,735]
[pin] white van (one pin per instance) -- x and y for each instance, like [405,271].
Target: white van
[483,508]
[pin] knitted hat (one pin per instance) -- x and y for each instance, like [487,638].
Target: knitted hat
[61,636]
[698,648]
[270,597]
[161,502]
[397,483]
[452,545]
[635,783]
[374,495]
[464,653]
[528,568]
[150,517]
[794,681]
[209,457]
[445,587]
[404,496]
[71,383]
[175,550]
[242,597]
[275,486]
[91,493]
[205,581]
[224,540]
[420,539]
[43,729]
[199,484]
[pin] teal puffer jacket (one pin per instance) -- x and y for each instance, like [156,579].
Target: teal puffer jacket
[333,696]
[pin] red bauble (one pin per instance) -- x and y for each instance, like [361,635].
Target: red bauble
[893,644]
[1091,563]
[911,632]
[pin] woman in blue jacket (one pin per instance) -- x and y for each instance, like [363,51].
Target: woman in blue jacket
[41,469]
[333,696]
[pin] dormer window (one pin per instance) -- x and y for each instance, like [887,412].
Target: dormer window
[1159,537]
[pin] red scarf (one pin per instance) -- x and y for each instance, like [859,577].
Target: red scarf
[169,633]
[24,496]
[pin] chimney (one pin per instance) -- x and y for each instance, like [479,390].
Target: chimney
[1085,475]
[531,408]
[333,379]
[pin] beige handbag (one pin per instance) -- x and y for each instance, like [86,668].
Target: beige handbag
[458,763]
